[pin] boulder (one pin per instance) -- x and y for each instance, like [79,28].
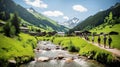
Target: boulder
[59,57]
[43,59]
[47,49]
[57,47]
[11,63]
[68,60]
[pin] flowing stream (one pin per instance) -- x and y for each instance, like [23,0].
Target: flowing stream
[56,57]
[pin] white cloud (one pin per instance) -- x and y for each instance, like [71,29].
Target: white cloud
[53,13]
[36,3]
[66,17]
[79,8]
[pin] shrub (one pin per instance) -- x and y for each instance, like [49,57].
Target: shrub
[72,48]
[113,33]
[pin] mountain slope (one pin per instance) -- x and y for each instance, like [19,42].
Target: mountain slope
[10,7]
[98,18]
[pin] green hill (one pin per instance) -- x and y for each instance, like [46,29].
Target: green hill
[33,18]
[103,22]
[98,18]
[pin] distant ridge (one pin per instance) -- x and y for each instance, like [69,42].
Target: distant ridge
[34,17]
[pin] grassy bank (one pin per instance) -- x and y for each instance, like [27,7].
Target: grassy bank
[115,38]
[19,48]
[76,44]
[115,41]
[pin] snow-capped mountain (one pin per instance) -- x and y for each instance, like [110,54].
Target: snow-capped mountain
[31,9]
[71,23]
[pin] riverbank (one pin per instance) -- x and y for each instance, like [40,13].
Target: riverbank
[16,50]
[48,54]
[76,44]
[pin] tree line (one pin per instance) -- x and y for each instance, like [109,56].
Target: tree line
[12,26]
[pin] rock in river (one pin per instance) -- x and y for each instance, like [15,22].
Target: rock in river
[43,59]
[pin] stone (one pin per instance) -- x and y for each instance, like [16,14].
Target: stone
[59,57]
[43,59]
[11,63]
[47,49]
[68,60]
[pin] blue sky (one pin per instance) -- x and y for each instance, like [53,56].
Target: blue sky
[63,10]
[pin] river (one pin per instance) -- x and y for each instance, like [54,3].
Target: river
[48,54]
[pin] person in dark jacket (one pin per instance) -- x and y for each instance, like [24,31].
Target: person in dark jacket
[92,38]
[109,41]
[99,39]
[105,39]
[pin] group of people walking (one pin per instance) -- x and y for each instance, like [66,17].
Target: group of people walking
[105,39]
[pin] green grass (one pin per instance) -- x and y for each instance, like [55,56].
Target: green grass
[115,41]
[29,25]
[86,49]
[21,46]
[40,16]
[107,29]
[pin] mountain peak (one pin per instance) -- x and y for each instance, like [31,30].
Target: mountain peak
[74,20]
[31,9]
[71,23]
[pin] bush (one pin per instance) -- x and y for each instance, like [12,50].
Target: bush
[113,33]
[72,48]
[101,57]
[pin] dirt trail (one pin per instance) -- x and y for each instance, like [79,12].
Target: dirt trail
[112,50]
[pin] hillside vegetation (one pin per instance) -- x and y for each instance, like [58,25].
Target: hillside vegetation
[98,18]
[36,19]
[12,48]
[107,29]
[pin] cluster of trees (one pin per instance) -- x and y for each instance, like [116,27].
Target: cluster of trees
[4,15]
[111,20]
[12,27]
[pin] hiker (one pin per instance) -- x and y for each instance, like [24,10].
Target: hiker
[87,38]
[92,38]
[109,41]
[99,40]
[105,38]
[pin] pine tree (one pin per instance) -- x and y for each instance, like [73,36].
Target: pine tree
[4,15]
[16,23]
[9,29]
[12,31]
[109,19]
[6,29]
